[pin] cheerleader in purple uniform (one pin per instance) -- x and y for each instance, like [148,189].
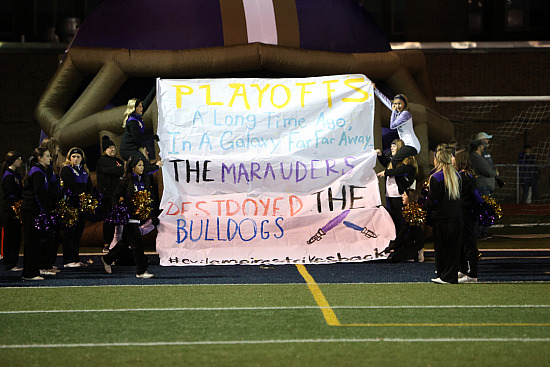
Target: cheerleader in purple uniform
[76,180]
[12,190]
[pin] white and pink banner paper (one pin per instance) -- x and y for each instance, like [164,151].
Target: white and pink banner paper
[269,171]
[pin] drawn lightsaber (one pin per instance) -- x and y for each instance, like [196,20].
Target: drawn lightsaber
[364,230]
[327,227]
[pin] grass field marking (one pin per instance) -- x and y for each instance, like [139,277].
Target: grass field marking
[279,341]
[163,309]
[449,324]
[328,312]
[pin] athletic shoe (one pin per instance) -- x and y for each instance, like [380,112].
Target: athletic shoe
[107,267]
[145,275]
[34,278]
[467,279]
[439,281]
[47,272]
[16,268]
[106,248]
[461,274]
[72,265]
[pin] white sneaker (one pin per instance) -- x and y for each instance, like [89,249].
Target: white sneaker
[145,275]
[34,278]
[107,267]
[421,255]
[439,281]
[461,274]
[73,265]
[47,272]
[467,279]
[16,268]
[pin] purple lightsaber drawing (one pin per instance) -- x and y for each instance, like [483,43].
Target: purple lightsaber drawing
[327,227]
[364,230]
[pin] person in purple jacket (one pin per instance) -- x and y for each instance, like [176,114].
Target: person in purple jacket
[76,180]
[401,120]
[470,200]
[12,191]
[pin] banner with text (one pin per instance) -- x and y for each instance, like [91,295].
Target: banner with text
[269,171]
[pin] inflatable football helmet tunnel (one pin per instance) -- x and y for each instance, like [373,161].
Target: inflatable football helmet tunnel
[123,46]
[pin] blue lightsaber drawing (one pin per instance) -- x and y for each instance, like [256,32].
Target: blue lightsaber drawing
[364,230]
[327,227]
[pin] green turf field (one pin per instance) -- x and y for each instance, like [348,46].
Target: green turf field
[277,325]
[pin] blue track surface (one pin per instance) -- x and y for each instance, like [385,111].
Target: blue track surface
[496,266]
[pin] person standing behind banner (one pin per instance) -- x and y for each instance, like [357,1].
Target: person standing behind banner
[36,201]
[134,138]
[12,192]
[443,206]
[132,183]
[109,173]
[76,180]
[470,200]
[398,179]
[401,120]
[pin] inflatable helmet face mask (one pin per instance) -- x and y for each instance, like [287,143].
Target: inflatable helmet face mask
[114,57]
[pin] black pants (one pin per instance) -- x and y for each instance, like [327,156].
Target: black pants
[71,241]
[447,235]
[131,235]
[12,239]
[469,252]
[406,151]
[31,244]
[48,249]
[108,227]
[395,207]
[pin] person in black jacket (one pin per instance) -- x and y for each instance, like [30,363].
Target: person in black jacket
[12,191]
[470,200]
[109,173]
[134,138]
[398,179]
[76,180]
[443,206]
[36,201]
[131,184]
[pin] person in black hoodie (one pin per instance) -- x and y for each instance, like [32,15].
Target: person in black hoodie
[398,179]
[76,180]
[132,183]
[109,173]
[12,191]
[36,201]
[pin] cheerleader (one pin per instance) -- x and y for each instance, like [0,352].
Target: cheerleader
[401,120]
[132,183]
[12,191]
[134,137]
[470,199]
[76,180]
[444,208]
[36,201]
[52,238]
[398,179]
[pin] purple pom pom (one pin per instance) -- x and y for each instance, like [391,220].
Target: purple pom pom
[119,215]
